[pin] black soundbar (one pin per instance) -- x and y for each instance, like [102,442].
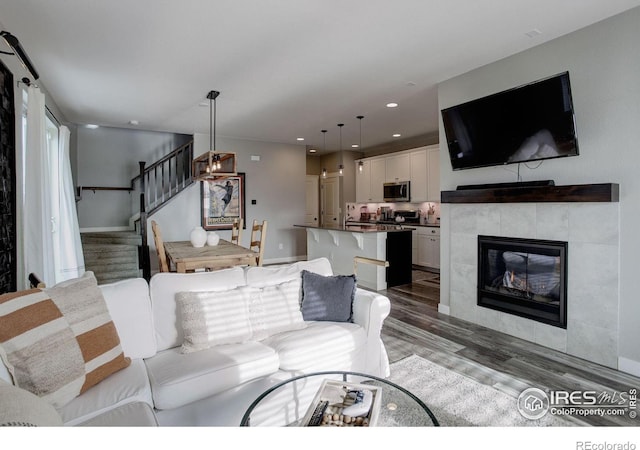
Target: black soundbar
[518,184]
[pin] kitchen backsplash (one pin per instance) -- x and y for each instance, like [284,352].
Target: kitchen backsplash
[429,211]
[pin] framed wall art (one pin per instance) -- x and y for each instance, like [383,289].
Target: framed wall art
[222,201]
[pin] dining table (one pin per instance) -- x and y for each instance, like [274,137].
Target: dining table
[187,258]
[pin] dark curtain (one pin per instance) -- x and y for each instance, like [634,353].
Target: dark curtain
[8,236]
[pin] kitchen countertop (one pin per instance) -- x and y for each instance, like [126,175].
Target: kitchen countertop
[363,227]
[406,224]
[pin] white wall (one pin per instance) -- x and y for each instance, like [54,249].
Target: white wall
[109,157]
[276,182]
[604,68]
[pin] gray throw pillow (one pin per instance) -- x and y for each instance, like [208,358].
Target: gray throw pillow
[328,298]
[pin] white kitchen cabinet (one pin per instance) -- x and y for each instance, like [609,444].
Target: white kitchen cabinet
[420,166]
[370,180]
[363,182]
[418,176]
[433,173]
[398,168]
[433,252]
[429,247]
[378,168]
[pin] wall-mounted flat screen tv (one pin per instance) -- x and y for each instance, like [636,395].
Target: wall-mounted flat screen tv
[528,123]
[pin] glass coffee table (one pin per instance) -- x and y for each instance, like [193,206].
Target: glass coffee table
[287,402]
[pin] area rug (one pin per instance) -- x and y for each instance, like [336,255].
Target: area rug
[457,400]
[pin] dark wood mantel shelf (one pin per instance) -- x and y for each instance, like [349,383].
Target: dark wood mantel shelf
[604,192]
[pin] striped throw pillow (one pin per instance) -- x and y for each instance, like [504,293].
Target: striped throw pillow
[81,302]
[39,348]
[59,342]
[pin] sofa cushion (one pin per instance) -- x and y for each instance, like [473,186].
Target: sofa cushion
[258,276]
[39,347]
[130,308]
[125,386]
[178,379]
[84,307]
[135,414]
[320,346]
[163,288]
[213,318]
[327,298]
[274,309]
[321,266]
[23,408]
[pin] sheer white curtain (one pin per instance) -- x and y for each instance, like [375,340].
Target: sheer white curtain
[37,219]
[69,260]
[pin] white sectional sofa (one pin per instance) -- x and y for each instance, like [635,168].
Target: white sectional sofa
[214,386]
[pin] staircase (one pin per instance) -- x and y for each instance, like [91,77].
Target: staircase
[112,256]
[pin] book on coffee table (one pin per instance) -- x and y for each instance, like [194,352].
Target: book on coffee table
[343,404]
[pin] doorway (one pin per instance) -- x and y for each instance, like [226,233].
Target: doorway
[312,193]
[330,201]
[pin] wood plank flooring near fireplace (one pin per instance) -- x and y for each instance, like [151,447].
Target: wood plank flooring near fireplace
[505,362]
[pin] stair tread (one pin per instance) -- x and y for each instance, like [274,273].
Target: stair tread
[110,248]
[112,255]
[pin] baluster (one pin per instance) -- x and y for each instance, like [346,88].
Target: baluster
[170,181]
[177,159]
[155,186]
[162,183]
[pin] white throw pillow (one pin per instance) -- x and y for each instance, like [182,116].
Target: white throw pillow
[22,408]
[214,318]
[275,309]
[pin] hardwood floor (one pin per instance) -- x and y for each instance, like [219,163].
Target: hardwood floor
[507,363]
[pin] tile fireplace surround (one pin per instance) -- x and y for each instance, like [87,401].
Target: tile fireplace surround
[593,291]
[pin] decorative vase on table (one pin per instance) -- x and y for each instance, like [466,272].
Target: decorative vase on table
[213,238]
[198,237]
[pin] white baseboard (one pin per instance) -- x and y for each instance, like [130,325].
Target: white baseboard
[444,309]
[629,366]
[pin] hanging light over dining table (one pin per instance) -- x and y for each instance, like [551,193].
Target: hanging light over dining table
[213,164]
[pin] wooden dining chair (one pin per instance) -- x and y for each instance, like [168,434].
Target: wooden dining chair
[236,231]
[258,239]
[162,256]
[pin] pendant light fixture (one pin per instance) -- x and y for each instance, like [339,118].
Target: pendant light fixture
[324,134]
[213,164]
[341,165]
[360,163]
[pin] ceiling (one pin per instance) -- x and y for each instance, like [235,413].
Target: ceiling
[285,69]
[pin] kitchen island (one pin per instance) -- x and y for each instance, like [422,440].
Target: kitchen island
[341,244]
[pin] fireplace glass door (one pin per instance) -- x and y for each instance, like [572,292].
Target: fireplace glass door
[525,277]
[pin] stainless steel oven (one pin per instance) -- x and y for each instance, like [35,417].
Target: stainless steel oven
[397,192]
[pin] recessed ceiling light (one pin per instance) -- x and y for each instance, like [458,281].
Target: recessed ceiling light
[300,139]
[392,105]
[91,126]
[134,122]
[397,135]
[533,33]
[354,146]
[312,150]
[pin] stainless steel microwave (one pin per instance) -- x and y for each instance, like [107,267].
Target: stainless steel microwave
[397,192]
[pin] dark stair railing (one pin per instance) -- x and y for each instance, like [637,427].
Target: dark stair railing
[159,183]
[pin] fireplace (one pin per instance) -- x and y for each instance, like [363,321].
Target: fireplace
[525,277]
